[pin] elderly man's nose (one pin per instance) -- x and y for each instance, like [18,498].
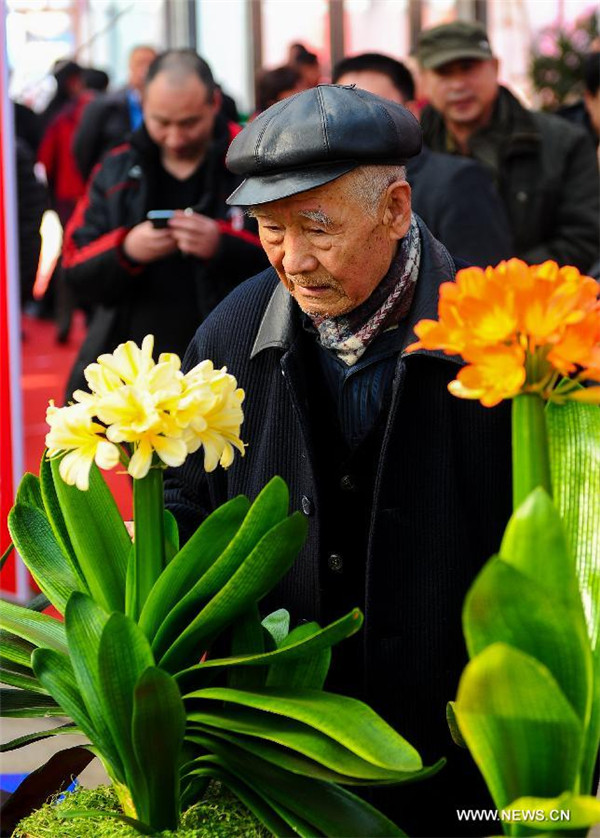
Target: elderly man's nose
[297,259]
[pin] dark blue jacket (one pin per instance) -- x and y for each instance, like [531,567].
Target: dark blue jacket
[435,499]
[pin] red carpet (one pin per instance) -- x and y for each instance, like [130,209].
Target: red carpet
[45,367]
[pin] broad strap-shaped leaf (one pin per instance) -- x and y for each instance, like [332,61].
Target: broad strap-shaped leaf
[522,732]
[171,535]
[55,515]
[269,509]
[346,720]
[85,622]
[15,648]
[98,535]
[34,539]
[300,647]
[574,445]
[308,672]
[16,675]
[29,738]
[124,654]
[23,704]
[569,811]
[332,810]
[55,672]
[30,491]
[247,638]
[262,569]
[191,562]
[293,736]
[278,625]
[504,605]
[39,629]
[158,728]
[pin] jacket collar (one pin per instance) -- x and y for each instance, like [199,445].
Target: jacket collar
[281,321]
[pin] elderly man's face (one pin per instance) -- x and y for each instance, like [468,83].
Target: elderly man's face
[327,250]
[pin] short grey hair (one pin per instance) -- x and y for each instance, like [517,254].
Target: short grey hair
[367,184]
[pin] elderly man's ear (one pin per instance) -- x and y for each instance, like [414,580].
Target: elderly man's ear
[396,215]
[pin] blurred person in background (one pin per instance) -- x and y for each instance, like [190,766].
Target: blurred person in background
[274,85]
[307,65]
[162,280]
[544,168]
[95,80]
[69,85]
[455,197]
[32,202]
[591,94]
[65,187]
[109,119]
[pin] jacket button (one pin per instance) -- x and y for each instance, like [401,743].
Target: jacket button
[308,506]
[335,563]
[347,483]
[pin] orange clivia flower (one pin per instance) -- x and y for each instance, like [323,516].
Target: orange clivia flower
[519,328]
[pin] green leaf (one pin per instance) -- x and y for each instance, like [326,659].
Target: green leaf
[569,811]
[33,537]
[30,738]
[16,703]
[158,729]
[98,535]
[39,629]
[149,541]
[124,654]
[457,737]
[55,515]
[261,570]
[15,649]
[247,637]
[171,536]
[504,605]
[55,672]
[6,554]
[349,722]
[269,508]
[308,672]
[85,622]
[522,732]
[574,443]
[30,492]
[278,625]
[16,678]
[334,811]
[192,561]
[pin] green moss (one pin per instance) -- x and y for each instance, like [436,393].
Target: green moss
[218,815]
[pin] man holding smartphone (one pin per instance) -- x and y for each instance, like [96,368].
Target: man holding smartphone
[153,245]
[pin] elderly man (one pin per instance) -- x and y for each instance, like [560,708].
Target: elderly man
[544,169]
[406,488]
[143,279]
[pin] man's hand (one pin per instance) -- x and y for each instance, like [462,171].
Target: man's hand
[195,234]
[145,244]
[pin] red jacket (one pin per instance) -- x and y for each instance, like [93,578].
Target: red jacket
[64,180]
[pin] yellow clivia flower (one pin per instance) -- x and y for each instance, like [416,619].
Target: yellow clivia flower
[519,328]
[74,433]
[149,413]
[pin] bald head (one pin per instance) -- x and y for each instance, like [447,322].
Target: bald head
[177,66]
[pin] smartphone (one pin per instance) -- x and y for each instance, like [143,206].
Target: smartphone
[159,218]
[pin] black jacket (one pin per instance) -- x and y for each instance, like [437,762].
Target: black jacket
[118,196]
[458,202]
[546,171]
[105,123]
[420,514]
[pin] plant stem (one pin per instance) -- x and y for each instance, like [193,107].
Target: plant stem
[531,464]
[149,543]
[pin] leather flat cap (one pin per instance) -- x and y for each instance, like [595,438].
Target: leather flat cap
[316,136]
